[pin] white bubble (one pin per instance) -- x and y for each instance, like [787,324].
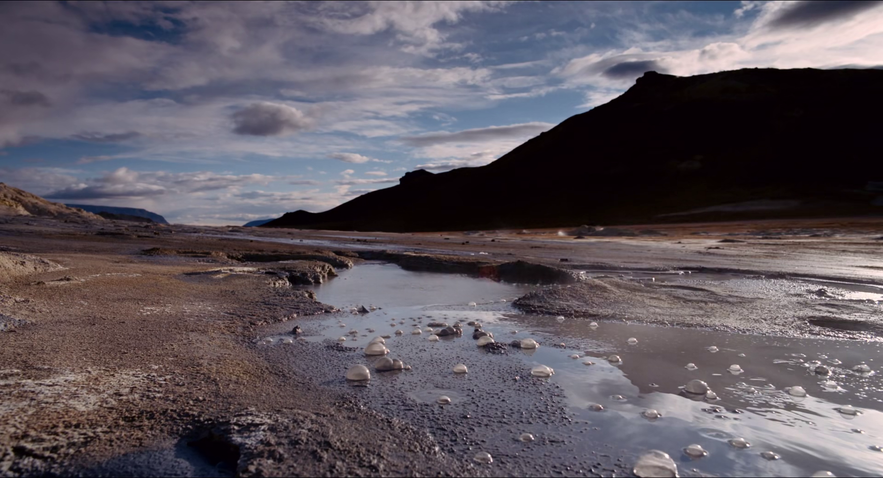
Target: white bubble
[529,344]
[655,463]
[593,325]
[433,338]
[696,386]
[574,356]
[596,407]
[542,371]
[735,369]
[377,340]
[614,359]
[473,304]
[588,362]
[358,373]
[741,355]
[341,339]
[861,368]
[618,398]
[651,414]
[287,341]
[875,448]
[460,368]
[848,410]
[482,341]
[691,366]
[709,395]
[483,457]
[769,455]
[632,341]
[796,391]
[353,332]
[444,400]
[526,437]
[560,319]
[342,325]
[399,332]
[695,451]
[739,443]
[416,332]
[712,349]
[376,349]
[823,474]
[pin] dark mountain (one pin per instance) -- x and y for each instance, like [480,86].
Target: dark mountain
[746,144]
[123,213]
[258,222]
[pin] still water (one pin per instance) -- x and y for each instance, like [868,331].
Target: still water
[806,434]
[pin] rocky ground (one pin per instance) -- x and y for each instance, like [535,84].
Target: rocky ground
[130,349]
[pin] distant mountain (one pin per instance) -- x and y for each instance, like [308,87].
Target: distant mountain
[800,143]
[123,213]
[258,222]
[16,202]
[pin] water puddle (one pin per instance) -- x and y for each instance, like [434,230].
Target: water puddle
[593,410]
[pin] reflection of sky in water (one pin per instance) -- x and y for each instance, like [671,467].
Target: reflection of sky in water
[809,434]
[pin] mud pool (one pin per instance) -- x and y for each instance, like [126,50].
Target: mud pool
[498,400]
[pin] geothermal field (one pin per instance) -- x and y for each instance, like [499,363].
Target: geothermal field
[146,349]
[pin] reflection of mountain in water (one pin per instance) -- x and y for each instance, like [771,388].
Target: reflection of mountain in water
[803,140]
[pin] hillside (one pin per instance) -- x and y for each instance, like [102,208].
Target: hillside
[122,213]
[15,202]
[745,144]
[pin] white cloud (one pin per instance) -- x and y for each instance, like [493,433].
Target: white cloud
[375,173]
[349,157]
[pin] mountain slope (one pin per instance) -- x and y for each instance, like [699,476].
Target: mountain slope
[16,202]
[803,142]
[121,213]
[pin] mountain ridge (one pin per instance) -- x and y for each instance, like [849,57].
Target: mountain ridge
[666,146]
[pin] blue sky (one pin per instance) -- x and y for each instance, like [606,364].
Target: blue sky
[221,113]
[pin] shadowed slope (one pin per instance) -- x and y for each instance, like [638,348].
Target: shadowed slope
[795,142]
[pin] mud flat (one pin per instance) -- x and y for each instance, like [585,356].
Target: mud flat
[169,350]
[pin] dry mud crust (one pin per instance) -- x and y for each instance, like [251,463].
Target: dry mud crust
[516,271]
[750,305]
[13,264]
[238,255]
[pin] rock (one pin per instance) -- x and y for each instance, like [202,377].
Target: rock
[297,330]
[437,324]
[363,310]
[450,331]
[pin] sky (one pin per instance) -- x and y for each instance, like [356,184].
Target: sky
[223,113]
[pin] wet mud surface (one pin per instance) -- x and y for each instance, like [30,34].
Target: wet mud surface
[498,399]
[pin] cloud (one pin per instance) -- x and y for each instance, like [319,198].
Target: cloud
[347,172]
[808,14]
[490,133]
[349,157]
[126,183]
[269,119]
[375,173]
[25,98]
[95,137]
[629,70]
[354,182]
